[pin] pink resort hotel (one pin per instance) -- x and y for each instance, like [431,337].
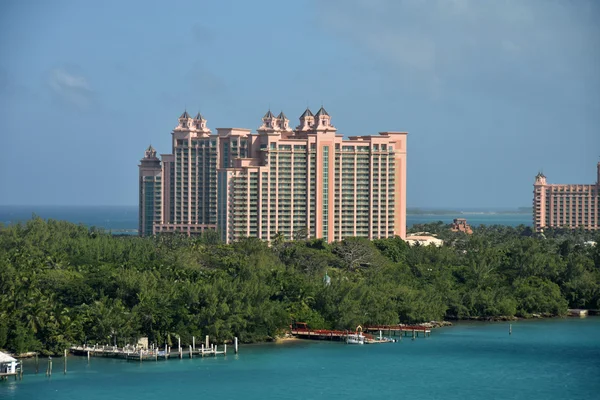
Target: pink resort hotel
[299,183]
[566,206]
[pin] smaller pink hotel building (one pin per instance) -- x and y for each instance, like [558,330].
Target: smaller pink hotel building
[304,182]
[566,206]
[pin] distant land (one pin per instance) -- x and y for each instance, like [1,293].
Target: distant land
[467,211]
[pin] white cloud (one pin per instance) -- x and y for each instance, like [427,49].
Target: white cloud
[70,87]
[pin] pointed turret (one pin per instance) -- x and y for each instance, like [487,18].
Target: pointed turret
[184,120]
[307,113]
[200,123]
[321,112]
[322,119]
[284,122]
[307,119]
[270,122]
[150,152]
[540,179]
[150,160]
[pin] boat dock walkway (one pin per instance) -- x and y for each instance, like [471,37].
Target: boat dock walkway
[320,334]
[137,353]
[304,332]
[400,330]
[18,374]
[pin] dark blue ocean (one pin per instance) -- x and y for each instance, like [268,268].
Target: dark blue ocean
[124,219]
[118,219]
[556,359]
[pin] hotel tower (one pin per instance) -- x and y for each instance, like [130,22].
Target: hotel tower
[307,182]
[566,206]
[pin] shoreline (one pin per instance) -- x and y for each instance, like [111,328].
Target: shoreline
[284,339]
[288,338]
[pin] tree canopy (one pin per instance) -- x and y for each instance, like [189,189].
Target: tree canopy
[63,284]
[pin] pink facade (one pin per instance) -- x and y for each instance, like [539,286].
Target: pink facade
[302,182]
[566,206]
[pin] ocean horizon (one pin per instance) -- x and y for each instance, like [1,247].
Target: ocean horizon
[124,219]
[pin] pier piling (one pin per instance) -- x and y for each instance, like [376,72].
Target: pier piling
[194,343]
[49,368]
[191,352]
[206,342]
[235,344]
[65,359]
[510,329]
[37,363]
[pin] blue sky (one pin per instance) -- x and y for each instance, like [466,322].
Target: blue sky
[490,92]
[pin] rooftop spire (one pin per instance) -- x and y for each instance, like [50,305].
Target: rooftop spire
[185,115]
[307,113]
[269,114]
[322,112]
[150,152]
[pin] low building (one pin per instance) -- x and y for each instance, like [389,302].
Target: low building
[8,364]
[460,225]
[423,240]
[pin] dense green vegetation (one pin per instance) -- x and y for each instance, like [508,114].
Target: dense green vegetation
[61,283]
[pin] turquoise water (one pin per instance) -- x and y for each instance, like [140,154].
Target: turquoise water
[474,219]
[124,219]
[550,359]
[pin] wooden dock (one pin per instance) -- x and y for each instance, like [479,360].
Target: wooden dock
[18,374]
[401,330]
[320,334]
[302,331]
[137,353]
[133,354]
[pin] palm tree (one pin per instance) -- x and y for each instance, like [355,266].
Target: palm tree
[278,239]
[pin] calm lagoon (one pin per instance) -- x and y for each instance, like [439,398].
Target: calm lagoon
[542,359]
